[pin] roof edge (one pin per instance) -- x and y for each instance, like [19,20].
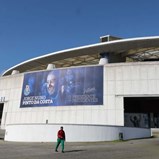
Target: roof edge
[79,48]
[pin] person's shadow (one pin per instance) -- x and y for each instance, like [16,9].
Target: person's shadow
[69,151]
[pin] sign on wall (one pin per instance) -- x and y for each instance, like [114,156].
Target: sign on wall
[2,99]
[71,86]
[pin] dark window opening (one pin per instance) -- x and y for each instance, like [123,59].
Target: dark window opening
[1,111]
[143,110]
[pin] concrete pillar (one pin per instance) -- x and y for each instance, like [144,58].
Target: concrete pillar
[50,66]
[103,58]
[14,72]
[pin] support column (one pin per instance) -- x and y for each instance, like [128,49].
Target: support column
[50,66]
[14,72]
[104,58]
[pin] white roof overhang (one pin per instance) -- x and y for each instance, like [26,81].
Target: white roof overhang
[90,54]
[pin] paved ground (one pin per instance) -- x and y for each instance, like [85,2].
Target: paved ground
[132,149]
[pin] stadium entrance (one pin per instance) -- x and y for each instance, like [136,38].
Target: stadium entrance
[1,111]
[141,112]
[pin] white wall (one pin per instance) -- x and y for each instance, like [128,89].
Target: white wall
[10,88]
[13,114]
[120,80]
[140,79]
[74,133]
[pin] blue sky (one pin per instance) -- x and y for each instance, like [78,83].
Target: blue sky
[30,28]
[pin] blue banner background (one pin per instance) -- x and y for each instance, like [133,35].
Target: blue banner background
[71,86]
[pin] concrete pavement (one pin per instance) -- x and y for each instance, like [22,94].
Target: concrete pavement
[134,149]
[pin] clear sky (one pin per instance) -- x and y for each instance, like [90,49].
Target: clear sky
[30,28]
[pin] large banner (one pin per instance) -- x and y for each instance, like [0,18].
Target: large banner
[71,86]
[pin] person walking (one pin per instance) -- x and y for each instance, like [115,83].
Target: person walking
[60,139]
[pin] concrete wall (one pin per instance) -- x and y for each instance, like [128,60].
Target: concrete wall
[120,80]
[10,89]
[74,133]
[13,114]
[127,79]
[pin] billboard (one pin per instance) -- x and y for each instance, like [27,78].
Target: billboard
[63,87]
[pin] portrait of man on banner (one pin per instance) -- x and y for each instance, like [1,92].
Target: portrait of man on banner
[50,87]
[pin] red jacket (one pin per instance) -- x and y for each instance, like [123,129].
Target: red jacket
[61,134]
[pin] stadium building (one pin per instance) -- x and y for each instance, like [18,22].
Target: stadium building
[101,92]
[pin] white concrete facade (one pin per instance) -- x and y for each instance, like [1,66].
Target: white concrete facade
[120,80]
[74,133]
